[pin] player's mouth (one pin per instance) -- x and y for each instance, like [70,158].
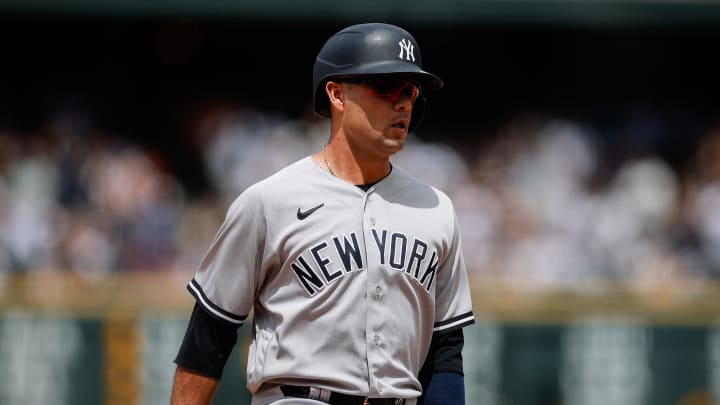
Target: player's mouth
[401,124]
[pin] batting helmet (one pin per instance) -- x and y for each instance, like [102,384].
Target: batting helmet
[371,49]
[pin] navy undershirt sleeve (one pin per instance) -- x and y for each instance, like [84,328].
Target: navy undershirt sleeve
[441,375]
[445,389]
[207,344]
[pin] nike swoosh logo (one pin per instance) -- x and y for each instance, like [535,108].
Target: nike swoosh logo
[304,214]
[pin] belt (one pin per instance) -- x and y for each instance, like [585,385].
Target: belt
[336,398]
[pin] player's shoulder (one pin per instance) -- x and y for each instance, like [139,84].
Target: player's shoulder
[409,181]
[278,182]
[413,188]
[288,174]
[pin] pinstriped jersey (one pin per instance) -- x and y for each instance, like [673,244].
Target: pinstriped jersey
[346,286]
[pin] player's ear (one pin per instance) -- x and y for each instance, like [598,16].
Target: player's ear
[335,95]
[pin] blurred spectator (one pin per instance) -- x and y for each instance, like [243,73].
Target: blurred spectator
[703,201]
[140,206]
[634,221]
[8,154]
[31,184]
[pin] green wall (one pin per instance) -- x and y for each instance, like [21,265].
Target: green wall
[595,360]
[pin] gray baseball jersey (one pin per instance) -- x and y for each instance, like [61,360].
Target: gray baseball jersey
[347,286]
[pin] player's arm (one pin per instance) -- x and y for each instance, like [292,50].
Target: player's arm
[191,388]
[442,375]
[201,359]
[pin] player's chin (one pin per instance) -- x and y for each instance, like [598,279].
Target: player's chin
[394,145]
[396,135]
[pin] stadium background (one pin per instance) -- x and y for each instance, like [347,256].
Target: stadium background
[579,140]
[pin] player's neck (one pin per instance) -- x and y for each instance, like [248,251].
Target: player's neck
[369,172]
[343,164]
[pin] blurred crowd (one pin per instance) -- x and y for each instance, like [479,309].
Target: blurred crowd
[542,200]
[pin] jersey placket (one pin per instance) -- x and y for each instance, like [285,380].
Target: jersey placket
[375,290]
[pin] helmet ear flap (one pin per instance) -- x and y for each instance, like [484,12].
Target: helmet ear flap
[418,112]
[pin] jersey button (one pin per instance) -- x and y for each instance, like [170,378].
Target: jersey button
[378,292]
[376,339]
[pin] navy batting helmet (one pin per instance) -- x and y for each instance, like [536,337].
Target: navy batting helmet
[371,49]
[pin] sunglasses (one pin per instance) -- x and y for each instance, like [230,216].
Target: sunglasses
[388,88]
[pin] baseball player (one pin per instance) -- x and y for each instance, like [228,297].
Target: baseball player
[353,267]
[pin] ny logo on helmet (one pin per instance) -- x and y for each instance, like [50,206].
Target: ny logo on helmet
[408,49]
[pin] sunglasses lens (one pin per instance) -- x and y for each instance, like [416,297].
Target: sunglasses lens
[392,90]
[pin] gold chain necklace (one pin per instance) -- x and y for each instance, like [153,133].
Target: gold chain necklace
[326,160]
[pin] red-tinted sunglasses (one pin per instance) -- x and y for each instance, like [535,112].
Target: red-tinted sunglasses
[388,88]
